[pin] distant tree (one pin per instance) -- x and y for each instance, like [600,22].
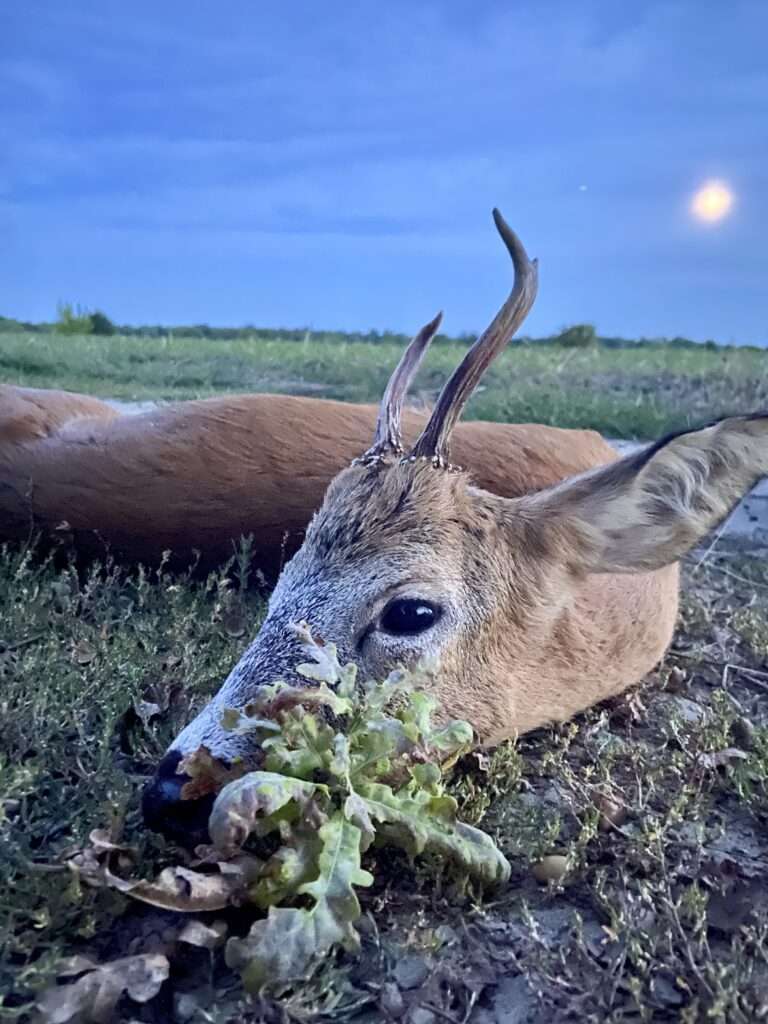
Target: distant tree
[100,323]
[72,320]
[578,336]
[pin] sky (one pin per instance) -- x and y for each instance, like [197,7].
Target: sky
[334,165]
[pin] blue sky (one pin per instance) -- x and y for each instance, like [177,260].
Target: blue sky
[335,165]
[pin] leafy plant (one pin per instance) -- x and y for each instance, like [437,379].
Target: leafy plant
[578,336]
[73,320]
[78,320]
[100,323]
[345,766]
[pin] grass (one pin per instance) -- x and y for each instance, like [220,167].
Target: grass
[658,802]
[641,392]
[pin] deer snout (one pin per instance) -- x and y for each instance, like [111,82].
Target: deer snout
[164,811]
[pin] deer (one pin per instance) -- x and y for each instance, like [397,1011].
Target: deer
[536,606]
[191,478]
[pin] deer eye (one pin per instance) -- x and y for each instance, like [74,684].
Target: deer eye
[409,615]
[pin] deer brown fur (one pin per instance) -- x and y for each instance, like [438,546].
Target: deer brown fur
[536,602]
[199,474]
[542,579]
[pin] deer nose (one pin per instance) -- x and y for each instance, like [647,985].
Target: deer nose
[164,811]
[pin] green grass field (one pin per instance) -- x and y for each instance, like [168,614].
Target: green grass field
[658,801]
[640,392]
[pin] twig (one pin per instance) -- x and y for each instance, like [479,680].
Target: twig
[736,576]
[715,541]
[22,643]
[40,868]
[440,1013]
[669,900]
[753,675]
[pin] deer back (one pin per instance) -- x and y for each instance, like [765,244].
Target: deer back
[199,474]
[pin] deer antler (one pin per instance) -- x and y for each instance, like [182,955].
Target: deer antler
[433,442]
[388,437]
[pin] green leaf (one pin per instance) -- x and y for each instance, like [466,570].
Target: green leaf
[299,764]
[416,716]
[325,666]
[281,697]
[303,747]
[347,684]
[243,805]
[286,869]
[426,776]
[340,764]
[382,776]
[454,737]
[356,811]
[242,722]
[472,850]
[423,823]
[372,745]
[401,811]
[281,948]
[377,697]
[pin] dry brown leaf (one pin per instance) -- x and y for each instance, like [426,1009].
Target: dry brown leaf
[103,842]
[612,812]
[207,774]
[93,997]
[551,868]
[479,760]
[181,889]
[245,867]
[676,679]
[74,965]
[83,652]
[89,863]
[233,621]
[88,868]
[204,936]
[721,757]
[743,733]
[146,710]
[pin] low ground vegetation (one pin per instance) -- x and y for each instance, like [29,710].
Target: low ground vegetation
[636,834]
[637,392]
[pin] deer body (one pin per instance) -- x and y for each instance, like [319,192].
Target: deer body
[522,640]
[542,581]
[198,475]
[535,604]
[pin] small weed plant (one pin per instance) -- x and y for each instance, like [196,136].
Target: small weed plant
[346,766]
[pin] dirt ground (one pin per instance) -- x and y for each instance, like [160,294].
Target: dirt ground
[648,815]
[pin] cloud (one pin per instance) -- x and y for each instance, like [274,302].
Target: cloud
[361,132]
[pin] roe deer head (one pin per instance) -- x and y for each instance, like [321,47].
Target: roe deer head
[535,607]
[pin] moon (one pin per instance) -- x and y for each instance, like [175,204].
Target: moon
[712,202]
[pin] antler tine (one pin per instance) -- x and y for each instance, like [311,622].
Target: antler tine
[433,442]
[388,436]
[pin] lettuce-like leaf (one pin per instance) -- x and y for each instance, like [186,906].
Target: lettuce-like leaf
[325,666]
[249,804]
[283,947]
[420,822]
[331,785]
[286,870]
[303,747]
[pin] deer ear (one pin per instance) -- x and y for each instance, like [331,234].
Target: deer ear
[646,510]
